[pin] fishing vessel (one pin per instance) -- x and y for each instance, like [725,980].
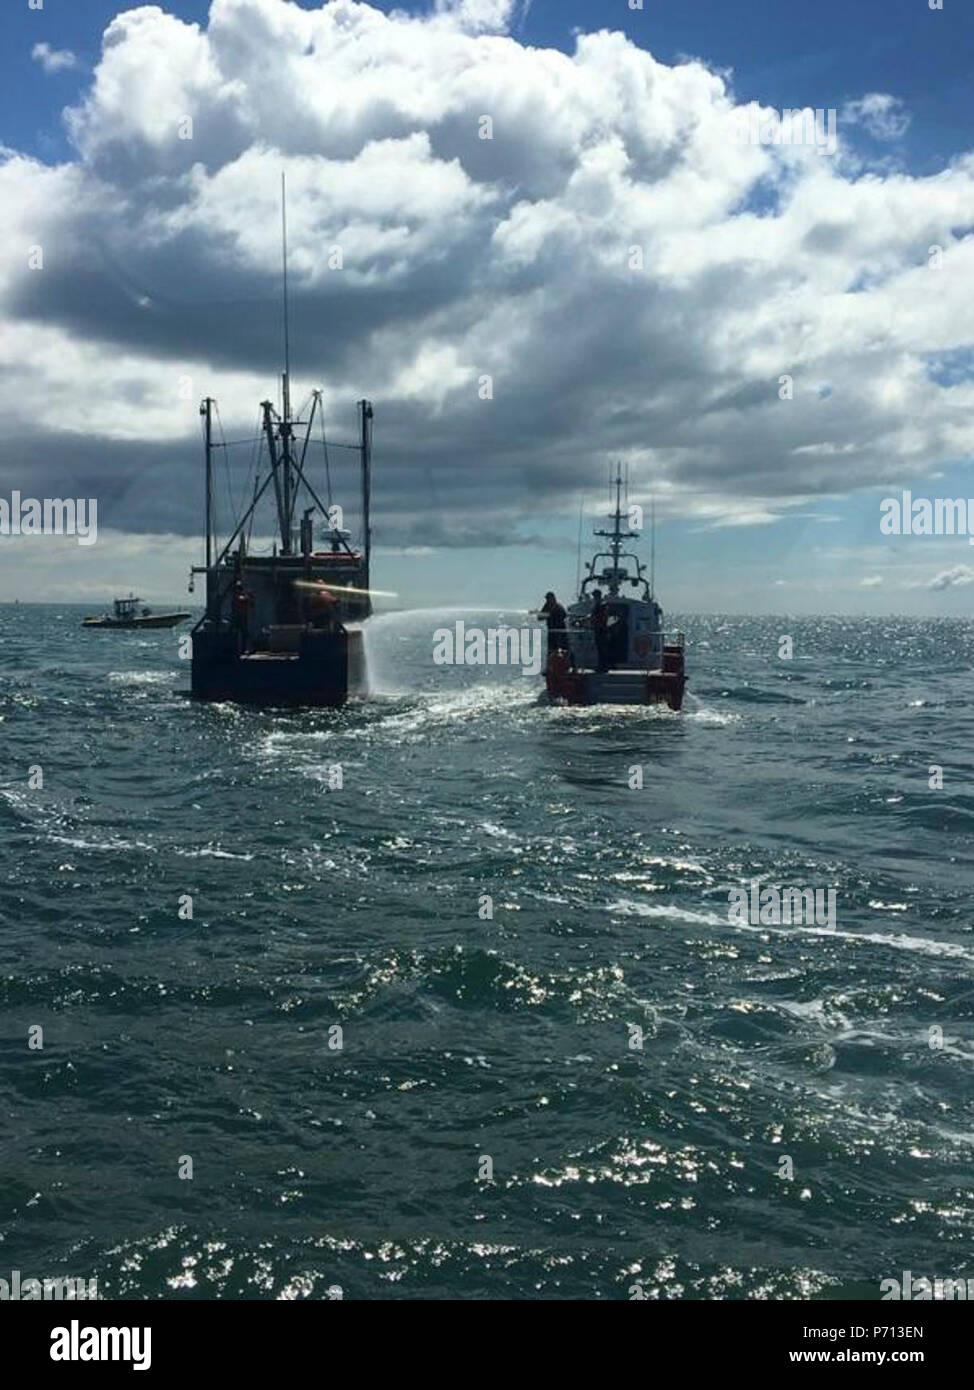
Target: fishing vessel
[285,627]
[642,663]
[126,613]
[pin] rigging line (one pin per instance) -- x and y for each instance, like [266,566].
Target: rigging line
[257,457]
[233,443]
[255,443]
[258,442]
[226,465]
[324,445]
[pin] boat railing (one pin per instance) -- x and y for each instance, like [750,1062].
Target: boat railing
[676,638]
[654,658]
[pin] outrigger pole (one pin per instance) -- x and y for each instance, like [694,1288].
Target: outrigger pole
[207,410]
[365,411]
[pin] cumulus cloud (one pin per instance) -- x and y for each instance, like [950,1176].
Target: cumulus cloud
[635,281]
[478,15]
[53,59]
[954,578]
[885,117]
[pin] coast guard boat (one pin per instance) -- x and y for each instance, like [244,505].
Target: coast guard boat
[645,664]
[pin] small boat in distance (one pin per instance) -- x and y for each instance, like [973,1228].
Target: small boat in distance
[127,614]
[636,662]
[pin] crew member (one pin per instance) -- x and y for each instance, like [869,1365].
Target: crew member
[324,609]
[599,619]
[557,623]
[242,601]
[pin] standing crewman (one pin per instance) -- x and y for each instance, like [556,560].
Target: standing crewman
[242,603]
[599,619]
[557,624]
[324,609]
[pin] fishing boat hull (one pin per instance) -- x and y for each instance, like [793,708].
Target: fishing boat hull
[307,668]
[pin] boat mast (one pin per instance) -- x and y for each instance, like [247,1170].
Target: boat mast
[287,504]
[616,536]
[206,410]
[365,412]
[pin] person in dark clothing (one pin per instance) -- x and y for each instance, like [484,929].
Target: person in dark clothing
[242,604]
[324,609]
[557,623]
[599,619]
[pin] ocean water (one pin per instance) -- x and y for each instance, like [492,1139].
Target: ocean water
[472,1045]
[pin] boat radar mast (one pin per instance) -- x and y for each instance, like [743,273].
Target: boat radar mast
[611,577]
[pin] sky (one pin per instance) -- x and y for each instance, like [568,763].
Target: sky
[636,268]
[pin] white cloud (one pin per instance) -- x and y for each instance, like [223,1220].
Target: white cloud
[954,578]
[885,117]
[871,581]
[463,256]
[478,15]
[53,59]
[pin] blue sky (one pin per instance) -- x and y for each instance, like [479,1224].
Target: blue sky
[822,553]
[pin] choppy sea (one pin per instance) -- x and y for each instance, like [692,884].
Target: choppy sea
[607,1084]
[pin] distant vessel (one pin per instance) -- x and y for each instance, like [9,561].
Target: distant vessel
[645,663]
[127,614]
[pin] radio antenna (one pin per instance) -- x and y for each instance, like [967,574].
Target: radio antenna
[578,553]
[652,545]
[287,336]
